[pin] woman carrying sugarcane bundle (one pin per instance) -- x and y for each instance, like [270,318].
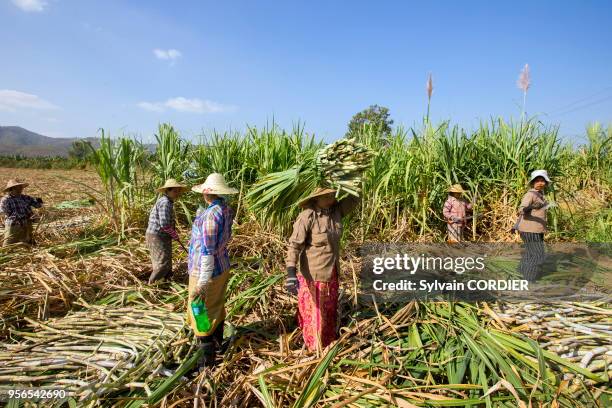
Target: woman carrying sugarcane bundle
[315,245]
[17,210]
[455,213]
[531,225]
[162,229]
[209,264]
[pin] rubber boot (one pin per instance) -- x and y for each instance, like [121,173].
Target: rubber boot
[209,353]
[218,337]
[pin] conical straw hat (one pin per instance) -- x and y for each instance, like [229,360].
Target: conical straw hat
[214,184]
[319,191]
[14,183]
[456,188]
[172,183]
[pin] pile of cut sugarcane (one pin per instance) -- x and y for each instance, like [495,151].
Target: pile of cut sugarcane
[342,164]
[100,352]
[578,332]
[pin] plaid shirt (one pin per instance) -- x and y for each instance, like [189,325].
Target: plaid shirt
[161,215]
[455,208]
[211,231]
[17,209]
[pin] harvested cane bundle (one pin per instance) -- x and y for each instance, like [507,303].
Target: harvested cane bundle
[339,165]
[99,352]
[342,163]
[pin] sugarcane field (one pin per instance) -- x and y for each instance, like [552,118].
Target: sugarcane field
[305,204]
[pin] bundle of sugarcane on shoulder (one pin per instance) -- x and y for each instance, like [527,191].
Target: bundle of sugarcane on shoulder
[323,190]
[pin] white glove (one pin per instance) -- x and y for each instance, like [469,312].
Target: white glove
[551,204]
[207,266]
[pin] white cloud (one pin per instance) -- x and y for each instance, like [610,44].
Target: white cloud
[182,104]
[153,107]
[168,55]
[11,101]
[31,5]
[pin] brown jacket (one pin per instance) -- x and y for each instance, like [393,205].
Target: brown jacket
[535,220]
[315,241]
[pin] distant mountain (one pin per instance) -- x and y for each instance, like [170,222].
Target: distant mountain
[17,140]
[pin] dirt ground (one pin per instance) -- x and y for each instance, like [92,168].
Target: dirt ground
[53,186]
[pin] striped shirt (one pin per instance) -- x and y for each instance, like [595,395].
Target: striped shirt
[161,215]
[211,231]
[17,209]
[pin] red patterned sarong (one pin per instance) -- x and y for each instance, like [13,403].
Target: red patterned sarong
[317,311]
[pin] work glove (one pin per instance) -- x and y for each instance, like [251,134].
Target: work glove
[171,231]
[551,204]
[39,200]
[292,284]
[207,266]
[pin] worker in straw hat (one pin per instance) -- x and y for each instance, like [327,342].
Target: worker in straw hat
[208,263]
[17,210]
[162,229]
[455,213]
[315,245]
[531,224]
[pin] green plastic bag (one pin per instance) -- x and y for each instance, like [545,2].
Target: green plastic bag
[200,314]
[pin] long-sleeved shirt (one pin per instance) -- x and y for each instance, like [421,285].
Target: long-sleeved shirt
[161,215]
[315,241]
[210,234]
[534,220]
[18,208]
[456,209]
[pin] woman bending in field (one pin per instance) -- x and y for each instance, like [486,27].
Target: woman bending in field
[17,210]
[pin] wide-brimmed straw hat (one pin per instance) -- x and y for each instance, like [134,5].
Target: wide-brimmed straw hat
[319,191]
[14,183]
[172,183]
[214,184]
[539,173]
[456,188]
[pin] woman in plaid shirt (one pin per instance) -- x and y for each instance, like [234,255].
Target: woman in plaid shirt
[162,229]
[17,210]
[209,263]
[455,213]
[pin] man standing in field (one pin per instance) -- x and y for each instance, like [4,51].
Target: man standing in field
[17,210]
[162,229]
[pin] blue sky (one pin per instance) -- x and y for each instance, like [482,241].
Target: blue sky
[69,67]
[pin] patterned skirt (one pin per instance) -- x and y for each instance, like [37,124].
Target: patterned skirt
[318,311]
[533,255]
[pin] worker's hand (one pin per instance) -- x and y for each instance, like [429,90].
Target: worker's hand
[551,204]
[292,285]
[200,290]
[172,232]
[39,200]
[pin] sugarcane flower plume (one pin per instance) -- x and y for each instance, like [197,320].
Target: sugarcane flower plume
[524,79]
[429,86]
